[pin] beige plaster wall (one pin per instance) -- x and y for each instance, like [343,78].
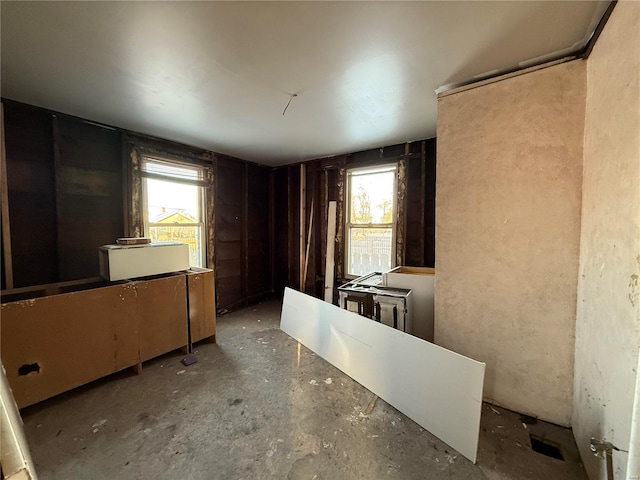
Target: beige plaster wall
[507,234]
[608,314]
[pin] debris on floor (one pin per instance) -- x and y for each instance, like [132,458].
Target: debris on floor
[226,419]
[98,425]
[371,406]
[189,360]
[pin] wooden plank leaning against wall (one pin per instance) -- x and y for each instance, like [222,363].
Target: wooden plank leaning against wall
[6,226]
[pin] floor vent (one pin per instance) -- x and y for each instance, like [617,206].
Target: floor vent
[546,447]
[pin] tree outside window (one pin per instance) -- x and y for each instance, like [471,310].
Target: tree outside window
[174,205]
[370,222]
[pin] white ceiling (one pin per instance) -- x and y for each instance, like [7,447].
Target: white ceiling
[218,75]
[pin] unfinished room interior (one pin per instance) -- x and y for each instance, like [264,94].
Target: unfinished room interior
[320,240]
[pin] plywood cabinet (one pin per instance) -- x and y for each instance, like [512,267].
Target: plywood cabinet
[55,343]
[202,308]
[62,339]
[162,315]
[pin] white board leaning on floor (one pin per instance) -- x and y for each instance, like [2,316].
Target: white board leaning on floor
[438,389]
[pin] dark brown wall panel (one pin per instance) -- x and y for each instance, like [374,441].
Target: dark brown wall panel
[281,229]
[228,268]
[228,250]
[430,204]
[294,226]
[228,233]
[414,246]
[258,243]
[31,191]
[88,160]
[242,237]
[320,229]
[420,233]
[228,293]
[66,191]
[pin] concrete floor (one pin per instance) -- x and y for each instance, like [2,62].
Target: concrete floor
[256,405]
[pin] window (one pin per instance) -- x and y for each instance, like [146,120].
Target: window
[370,219]
[173,205]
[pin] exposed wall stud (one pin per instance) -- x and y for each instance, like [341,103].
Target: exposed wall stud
[290,217]
[56,179]
[330,255]
[210,193]
[401,215]
[339,237]
[272,229]
[306,255]
[135,218]
[423,193]
[303,216]
[6,227]
[244,280]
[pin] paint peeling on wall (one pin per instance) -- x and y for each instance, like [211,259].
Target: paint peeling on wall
[339,251]
[211,217]
[634,290]
[401,215]
[135,216]
[608,307]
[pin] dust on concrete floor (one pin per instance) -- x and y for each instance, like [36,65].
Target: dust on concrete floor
[258,405]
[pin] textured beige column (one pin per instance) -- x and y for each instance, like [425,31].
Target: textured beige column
[608,315]
[507,234]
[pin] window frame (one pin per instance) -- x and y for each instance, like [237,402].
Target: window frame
[202,198]
[348,225]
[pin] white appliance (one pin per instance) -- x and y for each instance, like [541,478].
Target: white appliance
[120,262]
[421,281]
[367,297]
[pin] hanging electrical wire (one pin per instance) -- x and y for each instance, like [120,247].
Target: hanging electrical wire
[289,103]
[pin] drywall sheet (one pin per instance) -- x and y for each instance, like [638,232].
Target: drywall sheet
[14,455]
[435,387]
